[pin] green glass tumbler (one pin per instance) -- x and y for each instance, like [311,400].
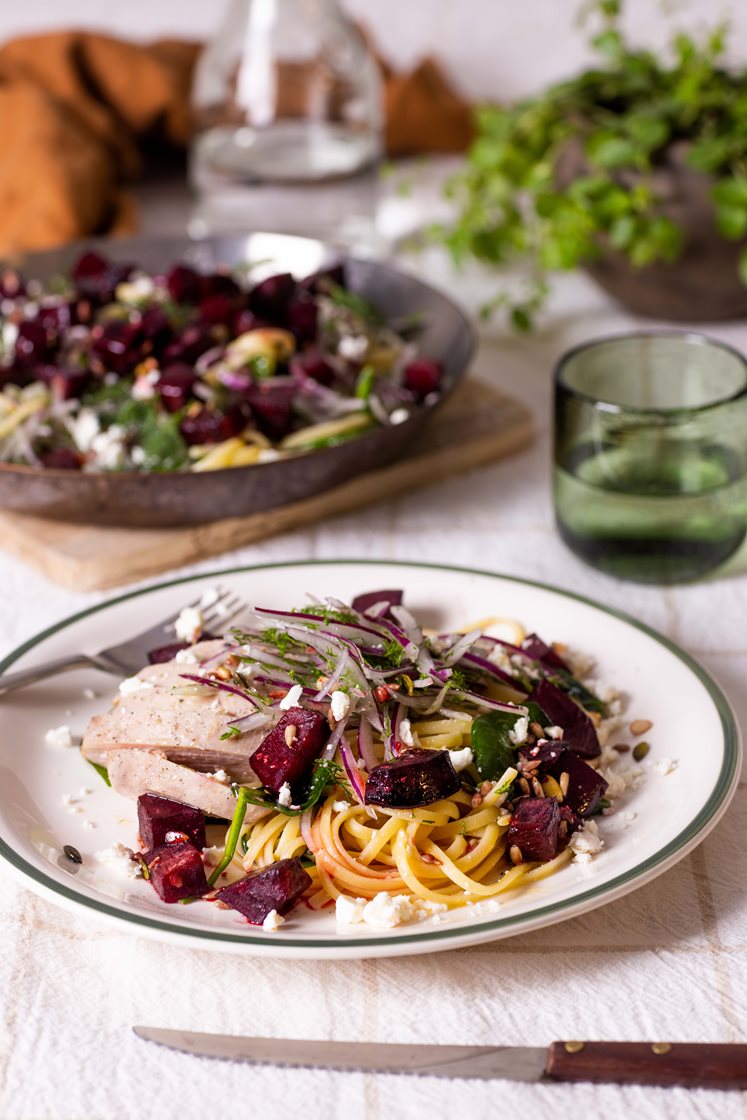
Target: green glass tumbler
[651,454]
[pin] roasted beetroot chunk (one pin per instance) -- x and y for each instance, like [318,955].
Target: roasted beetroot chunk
[534,828]
[287,756]
[277,887]
[176,871]
[157,817]
[578,730]
[271,402]
[535,647]
[416,777]
[586,786]
[422,377]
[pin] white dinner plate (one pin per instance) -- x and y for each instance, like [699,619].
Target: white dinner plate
[692,725]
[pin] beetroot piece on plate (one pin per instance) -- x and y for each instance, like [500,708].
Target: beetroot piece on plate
[535,647]
[176,871]
[276,887]
[34,343]
[270,402]
[586,786]
[302,319]
[209,425]
[312,363]
[62,459]
[184,284]
[166,653]
[322,281]
[64,383]
[158,816]
[371,598]
[534,828]
[287,755]
[416,777]
[271,297]
[423,377]
[578,730]
[175,385]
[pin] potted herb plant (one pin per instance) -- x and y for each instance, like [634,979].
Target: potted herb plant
[635,170]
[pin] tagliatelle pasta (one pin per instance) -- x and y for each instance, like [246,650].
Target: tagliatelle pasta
[390,773]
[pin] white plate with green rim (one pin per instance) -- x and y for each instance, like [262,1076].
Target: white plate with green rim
[673,811]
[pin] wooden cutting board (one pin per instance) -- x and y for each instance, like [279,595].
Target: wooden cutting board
[477,426]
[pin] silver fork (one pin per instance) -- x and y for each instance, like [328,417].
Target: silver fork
[126,658]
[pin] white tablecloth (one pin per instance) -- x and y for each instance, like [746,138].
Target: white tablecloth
[667,962]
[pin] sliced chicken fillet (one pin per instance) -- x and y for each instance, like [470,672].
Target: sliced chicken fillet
[136,771]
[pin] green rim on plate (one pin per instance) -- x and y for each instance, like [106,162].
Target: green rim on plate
[665,856]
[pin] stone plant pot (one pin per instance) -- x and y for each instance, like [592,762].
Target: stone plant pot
[703,284]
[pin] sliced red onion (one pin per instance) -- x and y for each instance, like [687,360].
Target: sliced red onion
[460,647]
[222,686]
[366,743]
[408,624]
[482,665]
[485,702]
[236,380]
[305,823]
[251,722]
[355,775]
[334,680]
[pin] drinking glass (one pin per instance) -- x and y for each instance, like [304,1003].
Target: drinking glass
[651,454]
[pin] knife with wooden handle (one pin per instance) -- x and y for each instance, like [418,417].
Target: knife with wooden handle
[694,1065]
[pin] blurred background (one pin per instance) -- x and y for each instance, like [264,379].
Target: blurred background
[490,48]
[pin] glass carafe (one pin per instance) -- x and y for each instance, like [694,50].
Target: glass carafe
[288,122]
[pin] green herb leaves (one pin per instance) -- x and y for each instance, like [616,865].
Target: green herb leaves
[493,750]
[560,178]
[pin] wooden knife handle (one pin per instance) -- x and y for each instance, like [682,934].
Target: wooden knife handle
[696,1065]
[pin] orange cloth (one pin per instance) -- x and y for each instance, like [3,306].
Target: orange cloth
[81,111]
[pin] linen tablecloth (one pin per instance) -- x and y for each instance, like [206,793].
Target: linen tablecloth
[667,962]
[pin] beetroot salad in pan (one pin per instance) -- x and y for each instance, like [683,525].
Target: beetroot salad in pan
[111,368]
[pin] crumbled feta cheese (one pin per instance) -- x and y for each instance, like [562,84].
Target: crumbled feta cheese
[285,797]
[89,824]
[68,799]
[209,598]
[553,732]
[219,776]
[186,657]
[268,455]
[89,694]
[586,843]
[137,455]
[144,387]
[120,859]
[461,759]
[354,347]
[9,336]
[404,731]
[138,290]
[84,428]
[518,733]
[339,704]
[189,624]
[340,806]
[109,448]
[273,920]
[134,684]
[665,766]
[385,911]
[399,416]
[616,784]
[349,911]
[59,736]
[84,791]
[291,698]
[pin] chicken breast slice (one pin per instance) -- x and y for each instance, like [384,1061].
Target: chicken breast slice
[159,710]
[136,771]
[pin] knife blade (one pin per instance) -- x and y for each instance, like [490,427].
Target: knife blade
[690,1064]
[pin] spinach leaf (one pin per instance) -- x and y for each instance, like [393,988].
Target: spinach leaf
[493,750]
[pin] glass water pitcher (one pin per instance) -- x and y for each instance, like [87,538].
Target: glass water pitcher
[288,123]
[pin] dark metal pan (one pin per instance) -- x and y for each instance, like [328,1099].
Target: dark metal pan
[175,498]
